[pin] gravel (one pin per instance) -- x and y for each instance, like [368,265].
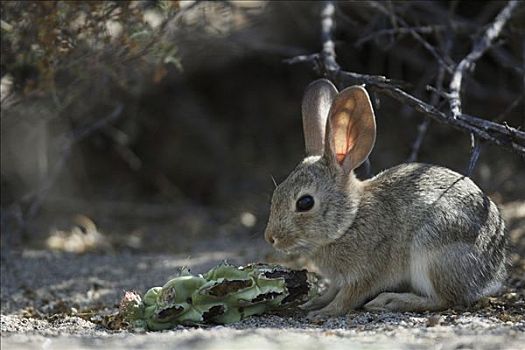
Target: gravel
[55,300]
[43,294]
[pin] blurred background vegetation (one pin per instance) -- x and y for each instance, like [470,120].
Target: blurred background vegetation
[163,122]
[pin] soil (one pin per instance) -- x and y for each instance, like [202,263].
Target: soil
[60,300]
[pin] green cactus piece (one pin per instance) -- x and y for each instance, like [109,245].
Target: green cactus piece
[152,295]
[225,270]
[224,294]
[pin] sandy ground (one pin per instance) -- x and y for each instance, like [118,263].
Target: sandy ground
[56,300]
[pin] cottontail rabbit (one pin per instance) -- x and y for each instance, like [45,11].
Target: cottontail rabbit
[415,237]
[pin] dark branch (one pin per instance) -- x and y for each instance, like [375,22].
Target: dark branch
[443,62]
[423,126]
[474,155]
[481,45]
[325,62]
[430,29]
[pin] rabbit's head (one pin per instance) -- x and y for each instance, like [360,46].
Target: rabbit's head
[318,201]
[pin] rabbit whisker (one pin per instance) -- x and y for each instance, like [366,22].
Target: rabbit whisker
[302,246]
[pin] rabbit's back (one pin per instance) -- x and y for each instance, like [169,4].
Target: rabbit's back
[429,213]
[450,205]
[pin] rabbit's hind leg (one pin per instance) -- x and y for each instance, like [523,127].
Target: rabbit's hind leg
[461,274]
[404,302]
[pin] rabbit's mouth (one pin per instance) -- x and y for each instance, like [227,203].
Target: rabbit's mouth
[299,246]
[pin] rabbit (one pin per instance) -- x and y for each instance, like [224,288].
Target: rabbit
[414,238]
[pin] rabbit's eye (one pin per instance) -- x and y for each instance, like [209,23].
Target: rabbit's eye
[305,203]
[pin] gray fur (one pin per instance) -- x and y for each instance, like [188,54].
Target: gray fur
[415,237]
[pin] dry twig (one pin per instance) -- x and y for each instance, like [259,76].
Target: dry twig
[444,62]
[481,45]
[325,63]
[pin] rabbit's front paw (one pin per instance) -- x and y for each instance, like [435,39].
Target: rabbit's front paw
[322,300]
[324,313]
[312,305]
[317,315]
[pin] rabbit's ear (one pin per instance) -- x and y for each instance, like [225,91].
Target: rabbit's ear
[351,128]
[317,101]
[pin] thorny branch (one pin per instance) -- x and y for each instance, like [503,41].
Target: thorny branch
[481,45]
[429,29]
[423,126]
[502,135]
[443,62]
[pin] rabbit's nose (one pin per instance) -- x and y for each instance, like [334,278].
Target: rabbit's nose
[270,238]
